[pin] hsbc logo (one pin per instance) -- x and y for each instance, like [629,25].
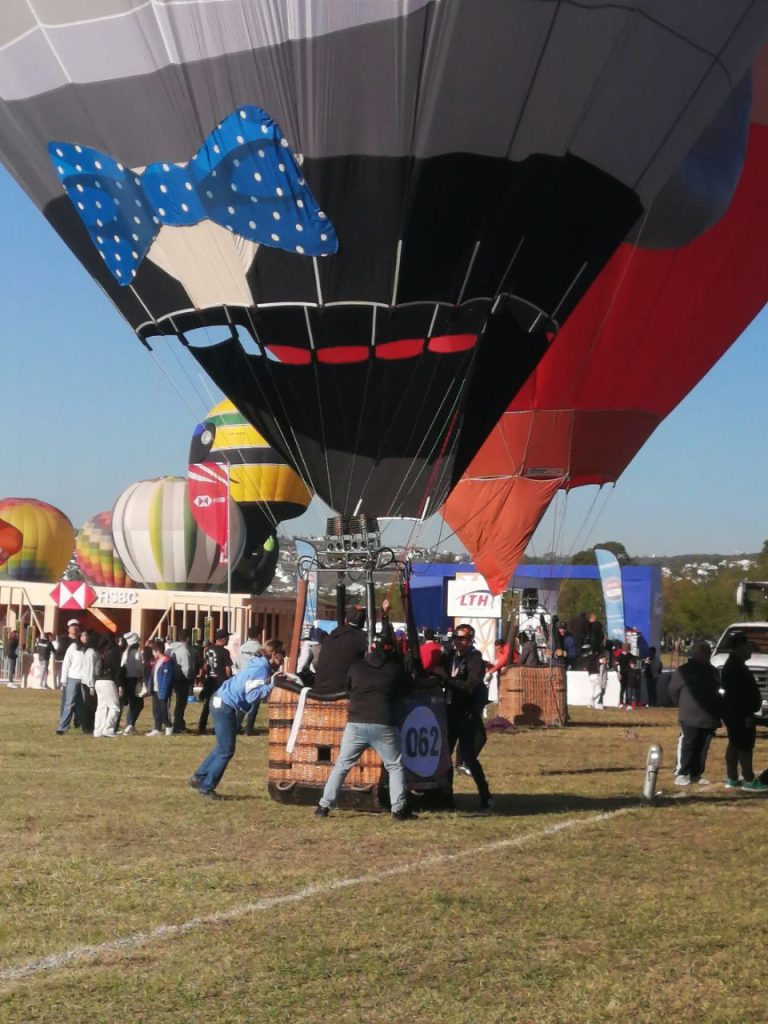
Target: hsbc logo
[205,501]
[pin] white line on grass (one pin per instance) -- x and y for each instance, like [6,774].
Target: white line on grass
[169,931]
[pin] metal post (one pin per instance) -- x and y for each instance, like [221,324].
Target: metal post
[370,592]
[652,765]
[341,600]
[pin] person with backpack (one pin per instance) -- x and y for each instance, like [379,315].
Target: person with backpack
[217,668]
[108,702]
[132,687]
[184,671]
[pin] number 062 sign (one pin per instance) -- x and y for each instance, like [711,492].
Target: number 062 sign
[422,742]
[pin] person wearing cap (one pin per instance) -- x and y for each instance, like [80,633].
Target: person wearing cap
[375,682]
[60,645]
[693,690]
[218,668]
[233,698]
[131,681]
[741,699]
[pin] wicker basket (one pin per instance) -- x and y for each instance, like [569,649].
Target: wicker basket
[534,696]
[300,776]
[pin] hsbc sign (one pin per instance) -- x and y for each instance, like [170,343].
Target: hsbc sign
[205,501]
[469,597]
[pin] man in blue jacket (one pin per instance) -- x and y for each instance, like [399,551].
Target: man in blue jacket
[236,694]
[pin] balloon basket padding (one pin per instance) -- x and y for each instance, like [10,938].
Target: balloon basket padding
[364,798]
[534,696]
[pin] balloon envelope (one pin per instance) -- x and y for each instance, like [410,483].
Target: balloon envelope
[398,203]
[48,540]
[267,490]
[160,543]
[10,541]
[96,555]
[649,328]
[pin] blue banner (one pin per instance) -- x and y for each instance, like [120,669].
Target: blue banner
[613,593]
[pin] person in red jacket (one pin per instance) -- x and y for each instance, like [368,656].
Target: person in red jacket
[430,652]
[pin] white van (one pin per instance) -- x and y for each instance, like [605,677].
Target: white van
[757,634]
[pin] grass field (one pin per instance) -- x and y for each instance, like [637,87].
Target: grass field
[555,908]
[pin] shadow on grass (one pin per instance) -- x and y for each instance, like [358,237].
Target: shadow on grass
[625,723]
[587,771]
[516,805]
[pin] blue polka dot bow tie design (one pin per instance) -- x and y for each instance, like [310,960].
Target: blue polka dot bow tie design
[244,177]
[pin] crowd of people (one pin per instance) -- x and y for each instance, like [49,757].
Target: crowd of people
[103,678]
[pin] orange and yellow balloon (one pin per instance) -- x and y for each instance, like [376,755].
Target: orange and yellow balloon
[10,541]
[48,540]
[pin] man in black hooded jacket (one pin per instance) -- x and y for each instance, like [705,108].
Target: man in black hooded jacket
[741,699]
[338,652]
[693,690]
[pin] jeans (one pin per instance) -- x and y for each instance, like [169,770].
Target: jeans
[134,704]
[466,728]
[693,747]
[249,718]
[358,736]
[210,686]
[209,773]
[160,712]
[180,695]
[70,704]
[43,673]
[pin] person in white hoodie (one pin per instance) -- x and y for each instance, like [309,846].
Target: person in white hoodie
[73,671]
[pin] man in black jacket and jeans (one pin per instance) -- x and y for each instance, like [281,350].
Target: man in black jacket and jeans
[466,696]
[375,683]
[694,691]
[343,646]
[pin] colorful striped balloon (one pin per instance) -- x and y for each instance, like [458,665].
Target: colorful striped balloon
[10,541]
[95,553]
[267,490]
[48,540]
[160,543]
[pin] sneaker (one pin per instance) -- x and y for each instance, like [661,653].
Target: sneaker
[322,812]
[12,686]
[682,780]
[732,783]
[60,732]
[700,780]
[168,730]
[210,794]
[464,770]
[755,786]
[108,735]
[194,782]
[129,730]
[486,804]
[154,732]
[406,814]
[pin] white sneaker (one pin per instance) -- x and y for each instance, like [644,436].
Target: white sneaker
[154,732]
[701,782]
[129,730]
[682,780]
[169,730]
[98,735]
[12,686]
[109,734]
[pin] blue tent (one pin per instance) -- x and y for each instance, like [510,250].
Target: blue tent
[641,583]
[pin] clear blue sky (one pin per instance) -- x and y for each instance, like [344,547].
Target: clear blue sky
[86,410]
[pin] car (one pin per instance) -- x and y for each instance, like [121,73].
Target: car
[757,634]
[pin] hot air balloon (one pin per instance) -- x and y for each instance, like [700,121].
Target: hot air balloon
[261,570]
[160,543]
[393,207]
[665,317]
[267,490]
[48,540]
[96,555]
[10,541]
